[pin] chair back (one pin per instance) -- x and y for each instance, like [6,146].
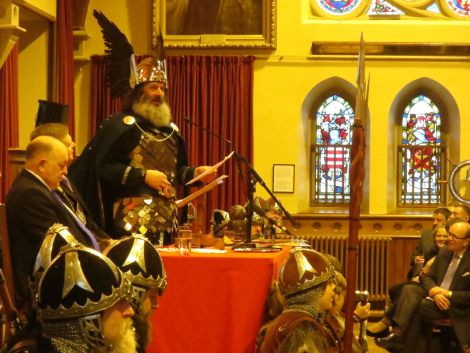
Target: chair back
[6,254]
[8,314]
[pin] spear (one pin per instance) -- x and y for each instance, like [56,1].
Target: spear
[356,178]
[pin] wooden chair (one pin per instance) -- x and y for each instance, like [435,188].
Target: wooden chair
[6,292]
[443,336]
[6,255]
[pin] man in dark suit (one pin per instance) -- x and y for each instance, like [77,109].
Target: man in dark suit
[66,190]
[445,293]
[448,288]
[33,206]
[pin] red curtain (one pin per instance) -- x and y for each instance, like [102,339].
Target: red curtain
[64,60]
[8,115]
[101,103]
[216,93]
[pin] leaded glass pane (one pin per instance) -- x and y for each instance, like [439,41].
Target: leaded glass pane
[383,8]
[421,153]
[331,152]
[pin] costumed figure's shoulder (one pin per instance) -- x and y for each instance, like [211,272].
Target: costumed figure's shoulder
[173,129]
[128,120]
[122,120]
[112,129]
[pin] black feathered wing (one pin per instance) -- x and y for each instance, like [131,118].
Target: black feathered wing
[119,52]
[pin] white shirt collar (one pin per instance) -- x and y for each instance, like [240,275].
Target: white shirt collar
[39,178]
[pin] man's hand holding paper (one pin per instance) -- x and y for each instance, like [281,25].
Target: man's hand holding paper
[206,174]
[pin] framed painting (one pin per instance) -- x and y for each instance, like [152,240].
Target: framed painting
[283,178]
[215,23]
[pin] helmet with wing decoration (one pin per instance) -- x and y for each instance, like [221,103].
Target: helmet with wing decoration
[122,72]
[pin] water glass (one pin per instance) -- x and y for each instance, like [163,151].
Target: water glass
[183,241]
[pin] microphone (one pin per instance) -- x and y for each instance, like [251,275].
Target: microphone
[188,120]
[258,210]
[221,138]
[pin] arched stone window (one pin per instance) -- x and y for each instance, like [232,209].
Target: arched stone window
[331,138]
[421,152]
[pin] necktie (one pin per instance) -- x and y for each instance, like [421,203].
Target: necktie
[70,200]
[80,224]
[454,263]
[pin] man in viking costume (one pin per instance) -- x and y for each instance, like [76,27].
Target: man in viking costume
[29,337]
[307,282]
[84,304]
[128,172]
[140,260]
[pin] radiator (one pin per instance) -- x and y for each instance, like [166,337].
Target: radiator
[372,261]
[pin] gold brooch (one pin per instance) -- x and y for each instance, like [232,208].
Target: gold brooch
[128,120]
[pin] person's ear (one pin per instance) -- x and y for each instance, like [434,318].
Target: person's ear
[41,164]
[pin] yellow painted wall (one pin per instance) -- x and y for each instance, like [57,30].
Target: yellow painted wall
[285,78]
[45,8]
[32,71]
[133,17]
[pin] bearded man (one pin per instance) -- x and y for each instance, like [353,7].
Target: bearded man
[83,303]
[128,172]
[140,261]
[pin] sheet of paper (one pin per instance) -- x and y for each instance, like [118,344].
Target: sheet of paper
[201,191]
[195,250]
[208,251]
[210,170]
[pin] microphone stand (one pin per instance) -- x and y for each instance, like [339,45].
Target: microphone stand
[253,178]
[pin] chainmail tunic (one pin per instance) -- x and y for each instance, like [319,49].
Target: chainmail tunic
[155,215]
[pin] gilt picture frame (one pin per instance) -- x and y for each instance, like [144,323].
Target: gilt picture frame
[215,23]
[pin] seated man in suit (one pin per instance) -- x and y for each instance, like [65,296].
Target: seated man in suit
[66,189]
[381,328]
[435,297]
[33,206]
[447,285]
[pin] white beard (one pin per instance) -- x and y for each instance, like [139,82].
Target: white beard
[158,115]
[127,342]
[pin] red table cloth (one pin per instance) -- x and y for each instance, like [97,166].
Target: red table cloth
[214,303]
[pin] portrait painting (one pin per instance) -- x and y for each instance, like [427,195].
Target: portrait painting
[215,23]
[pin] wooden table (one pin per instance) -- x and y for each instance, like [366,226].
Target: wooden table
[214,303]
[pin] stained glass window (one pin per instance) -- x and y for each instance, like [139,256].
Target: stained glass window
[383,8]
[330,151]
[421,153]
[387,9]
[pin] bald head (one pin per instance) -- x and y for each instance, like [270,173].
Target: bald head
[459,236]
[47,157]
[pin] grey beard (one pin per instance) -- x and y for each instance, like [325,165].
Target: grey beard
[128,341]
[157,115]
[142,326]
